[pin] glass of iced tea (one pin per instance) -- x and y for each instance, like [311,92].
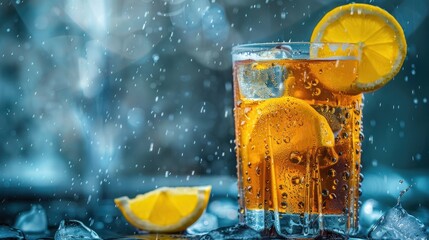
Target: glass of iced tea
[298,139]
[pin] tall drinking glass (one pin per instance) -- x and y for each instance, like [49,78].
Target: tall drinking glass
[298,139]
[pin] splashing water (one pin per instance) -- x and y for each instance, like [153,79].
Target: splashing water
[73,229]
[398,224]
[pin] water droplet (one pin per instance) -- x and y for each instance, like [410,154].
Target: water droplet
[249,164]
[345,135]
[296,180]
[346,175]
[325,192]
[284,195]
[345,187]
[347,115]
[361,177]
[316,92]
[314,82]
[332,196]
[332,172]
[258,171]
[267,157]
[286,139]
[241,210]
[295,157]
[283,204]
[361,136]
[301,205]
[260,206]
[248,179]
[247,110]
[249,188]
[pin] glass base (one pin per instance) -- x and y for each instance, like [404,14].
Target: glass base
[299,225]
[259,220]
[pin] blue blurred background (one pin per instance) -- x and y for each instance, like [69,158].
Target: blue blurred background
[100,99]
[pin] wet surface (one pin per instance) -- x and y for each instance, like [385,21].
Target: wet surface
[111,225]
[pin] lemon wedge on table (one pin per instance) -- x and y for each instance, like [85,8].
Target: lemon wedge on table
[383,44]
[166,209]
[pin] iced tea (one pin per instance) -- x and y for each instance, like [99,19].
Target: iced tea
[298,141]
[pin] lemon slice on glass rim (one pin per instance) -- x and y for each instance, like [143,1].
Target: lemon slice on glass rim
[382,39]
[166,209]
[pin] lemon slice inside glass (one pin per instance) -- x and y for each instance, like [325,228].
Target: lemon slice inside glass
[166,209]
[285,125]
[383,44]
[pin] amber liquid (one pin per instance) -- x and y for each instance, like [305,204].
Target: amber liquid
[317,180]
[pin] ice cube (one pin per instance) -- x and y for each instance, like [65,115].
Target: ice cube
[33,221]
[261,80]
[278,52]
[9,233]
[398,224]
[205,223]
[74,229]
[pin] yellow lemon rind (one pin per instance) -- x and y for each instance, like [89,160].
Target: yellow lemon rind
[325,136]
[365,85]
[203,193]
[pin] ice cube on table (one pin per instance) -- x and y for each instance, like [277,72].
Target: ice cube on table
[33,221]
[74,229]
[398,224]
[10,233]
[205,223]
[259,80]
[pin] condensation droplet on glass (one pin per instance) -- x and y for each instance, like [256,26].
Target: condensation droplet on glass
[296,180]
[286,139]
[332,172]
[316,92]
[295,157]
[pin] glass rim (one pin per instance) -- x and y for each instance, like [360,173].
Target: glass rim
[295,50]
[265,45]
